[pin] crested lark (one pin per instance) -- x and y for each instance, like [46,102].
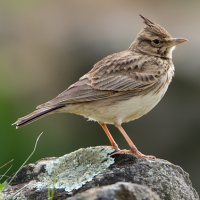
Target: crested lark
[121,87]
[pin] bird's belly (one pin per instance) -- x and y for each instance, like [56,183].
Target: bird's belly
[139,106]
[117,111]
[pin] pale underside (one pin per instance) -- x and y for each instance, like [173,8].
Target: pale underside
[115,111]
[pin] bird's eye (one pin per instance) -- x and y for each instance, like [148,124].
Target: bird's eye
[156,41]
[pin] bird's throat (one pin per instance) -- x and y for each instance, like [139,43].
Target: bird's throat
[169,51]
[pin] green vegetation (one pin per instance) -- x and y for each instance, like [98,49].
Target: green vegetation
[4,185]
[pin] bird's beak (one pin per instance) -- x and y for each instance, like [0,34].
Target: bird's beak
[176,41]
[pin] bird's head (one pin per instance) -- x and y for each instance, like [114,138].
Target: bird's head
[155,40]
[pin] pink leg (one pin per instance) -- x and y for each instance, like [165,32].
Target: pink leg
[112,141]
[132,146]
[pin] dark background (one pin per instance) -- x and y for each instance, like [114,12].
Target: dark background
[45,46]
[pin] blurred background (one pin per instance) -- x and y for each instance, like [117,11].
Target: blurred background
[45,46]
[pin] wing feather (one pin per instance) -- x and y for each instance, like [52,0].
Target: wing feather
[118,74]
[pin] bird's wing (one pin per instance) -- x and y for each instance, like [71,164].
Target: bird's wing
[131,71]
[81,91]
[117,74]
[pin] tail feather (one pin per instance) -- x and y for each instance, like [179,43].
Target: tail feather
[37,114]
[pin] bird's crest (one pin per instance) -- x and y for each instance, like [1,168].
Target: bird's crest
[155,28]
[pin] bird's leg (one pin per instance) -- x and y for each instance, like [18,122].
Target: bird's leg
[112,141]
[132,146]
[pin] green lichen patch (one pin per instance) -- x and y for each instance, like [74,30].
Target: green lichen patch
[75,169]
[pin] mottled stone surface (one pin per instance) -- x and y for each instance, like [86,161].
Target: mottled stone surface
[118,191]
[72,171]
[169,181]
[93,168]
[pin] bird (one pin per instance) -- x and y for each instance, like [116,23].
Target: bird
[121,87]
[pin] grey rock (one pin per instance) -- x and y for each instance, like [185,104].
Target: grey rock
[93,168]
[71,171]
[118,191]
[169,181]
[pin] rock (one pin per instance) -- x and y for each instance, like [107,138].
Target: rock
[85,172]
[72,171]
[118,191]
[169,181]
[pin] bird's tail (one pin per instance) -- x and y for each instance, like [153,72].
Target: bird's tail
[37,114]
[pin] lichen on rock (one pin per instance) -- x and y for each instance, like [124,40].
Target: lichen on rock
[75,169]
[72,171]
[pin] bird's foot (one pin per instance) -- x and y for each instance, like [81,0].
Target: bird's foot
[135,151]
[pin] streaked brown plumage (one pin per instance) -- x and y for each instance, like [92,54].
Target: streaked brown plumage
[121,87]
